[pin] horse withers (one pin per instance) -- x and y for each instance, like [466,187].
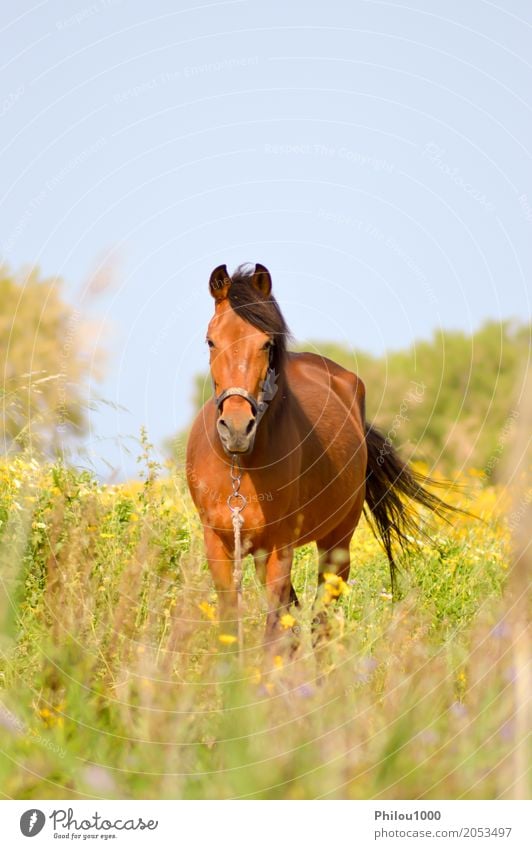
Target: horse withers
[294,425]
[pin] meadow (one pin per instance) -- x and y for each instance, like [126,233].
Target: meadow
[115,681]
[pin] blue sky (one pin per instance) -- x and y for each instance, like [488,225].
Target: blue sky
[374,155]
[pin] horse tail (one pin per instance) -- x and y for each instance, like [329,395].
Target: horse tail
[392,488]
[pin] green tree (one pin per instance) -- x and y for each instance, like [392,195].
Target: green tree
[43,369]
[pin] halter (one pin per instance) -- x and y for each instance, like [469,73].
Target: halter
[259,404]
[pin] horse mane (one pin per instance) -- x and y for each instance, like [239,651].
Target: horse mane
[261,312]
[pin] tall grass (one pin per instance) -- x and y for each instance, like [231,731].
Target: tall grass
[115,684]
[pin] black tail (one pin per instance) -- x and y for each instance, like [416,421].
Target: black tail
[389,482]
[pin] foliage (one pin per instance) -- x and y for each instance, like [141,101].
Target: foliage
[43,369]
[115,682]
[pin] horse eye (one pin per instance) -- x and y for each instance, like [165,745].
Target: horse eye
[210,343]
[268,345]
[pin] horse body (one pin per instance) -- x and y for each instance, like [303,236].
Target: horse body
[306,475]
[331,482]
[308,458]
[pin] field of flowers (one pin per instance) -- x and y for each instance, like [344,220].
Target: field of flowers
[116,683]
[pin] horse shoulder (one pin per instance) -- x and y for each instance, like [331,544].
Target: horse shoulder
[199,447]
[307,368]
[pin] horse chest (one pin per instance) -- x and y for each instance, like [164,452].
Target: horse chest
[216,513]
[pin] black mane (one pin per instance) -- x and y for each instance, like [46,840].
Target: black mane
[261,312]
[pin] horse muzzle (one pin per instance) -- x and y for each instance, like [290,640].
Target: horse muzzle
[237,433]
[237,438]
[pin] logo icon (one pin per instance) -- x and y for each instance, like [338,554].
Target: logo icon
[32,822]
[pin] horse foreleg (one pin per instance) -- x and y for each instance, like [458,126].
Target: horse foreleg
[261,559]
[221,568]
[280,595]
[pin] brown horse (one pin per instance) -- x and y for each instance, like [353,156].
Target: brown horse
[296,423]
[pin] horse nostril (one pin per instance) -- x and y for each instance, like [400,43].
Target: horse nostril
[251,425]
[223,424]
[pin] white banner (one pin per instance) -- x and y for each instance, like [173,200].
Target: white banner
[265,825]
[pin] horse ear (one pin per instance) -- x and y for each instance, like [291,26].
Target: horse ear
[261,280]
[219,283]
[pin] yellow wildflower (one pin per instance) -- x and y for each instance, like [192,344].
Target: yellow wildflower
[208,610]
[335,586]
[287,621]
[227,639]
